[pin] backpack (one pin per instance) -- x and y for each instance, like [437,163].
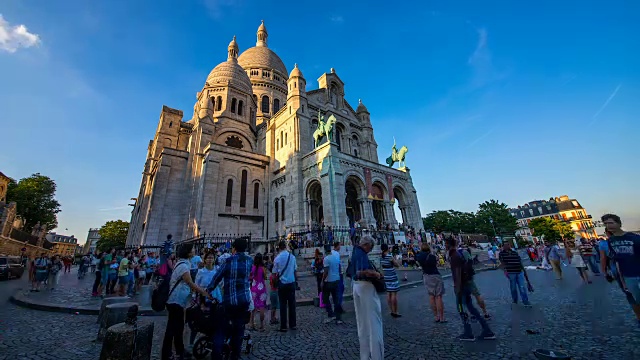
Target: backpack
[467,267]
[161,294]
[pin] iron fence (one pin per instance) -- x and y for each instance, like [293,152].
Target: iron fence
[343,234]
[213,242]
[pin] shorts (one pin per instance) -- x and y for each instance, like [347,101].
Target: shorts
[41,276]
[633,284]
[473,288]
[273,300]
[493,261]
[123,280]
[434,284]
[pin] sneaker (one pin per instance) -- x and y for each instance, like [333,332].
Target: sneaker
[528,305]
[488,336]
[329,320]
[487,317]
[467,337]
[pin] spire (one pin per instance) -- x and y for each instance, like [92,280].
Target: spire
[262,35]
[233,49]
[295,72]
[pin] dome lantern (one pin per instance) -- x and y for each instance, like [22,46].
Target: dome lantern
[262,35]
[233,49]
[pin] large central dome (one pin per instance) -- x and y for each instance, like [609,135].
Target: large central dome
[260,56]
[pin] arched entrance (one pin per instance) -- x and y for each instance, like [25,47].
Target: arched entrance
[401,205]
[379,213]
[354,189]
[314,203]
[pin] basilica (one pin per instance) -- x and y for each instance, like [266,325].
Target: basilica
[246,161]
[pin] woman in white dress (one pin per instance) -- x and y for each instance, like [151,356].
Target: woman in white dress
[576,260]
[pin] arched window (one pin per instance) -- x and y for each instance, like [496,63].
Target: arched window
[219,103]
[285,138]
[243,189]
[256,192]
[276,105]
[281,138]
[282,208]
[276,208]
[233,105]
[265,104]
[240,106]
[213,103]
[229,192]
[277,144]
[255,98]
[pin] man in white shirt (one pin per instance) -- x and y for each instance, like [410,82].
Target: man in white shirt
[195,265]
[331,280]
[285,266]
[492,257]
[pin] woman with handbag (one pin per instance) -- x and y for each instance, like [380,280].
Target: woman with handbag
[388,264]
[366,301]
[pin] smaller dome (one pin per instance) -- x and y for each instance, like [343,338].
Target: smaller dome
[296,72]
[361,107]
[230,72]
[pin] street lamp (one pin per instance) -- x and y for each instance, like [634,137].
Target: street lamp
[495,235]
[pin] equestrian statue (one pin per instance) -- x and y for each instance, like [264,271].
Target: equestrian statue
[397,156]
[324,128]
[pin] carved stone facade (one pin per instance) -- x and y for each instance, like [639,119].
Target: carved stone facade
[245,162]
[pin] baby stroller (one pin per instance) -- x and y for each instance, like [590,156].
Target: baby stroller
[202,319]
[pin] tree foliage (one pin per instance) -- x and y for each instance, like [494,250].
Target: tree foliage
[35,199]
[468,222]
[113,234]
[553,230]
[503,222]
[450,221]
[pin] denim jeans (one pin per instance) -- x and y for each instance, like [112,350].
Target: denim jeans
[517,284]
[132,283]
[232,325]
[463,299]
[287,298]
[331,288]
[593,265]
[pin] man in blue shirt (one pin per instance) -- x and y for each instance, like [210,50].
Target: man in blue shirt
[286,267]
[236,298]
[331,283]
[624,252]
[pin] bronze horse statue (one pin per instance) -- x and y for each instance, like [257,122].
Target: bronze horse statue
[324,128]
[397,156]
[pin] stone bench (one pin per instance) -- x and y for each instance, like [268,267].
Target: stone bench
[113,314]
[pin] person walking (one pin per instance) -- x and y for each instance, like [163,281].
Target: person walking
[575,259]
[285,266]
[514,271]
[624,255]
[389,265]
[318,269]
[552,254]
[432,281]
[98,276]
[181,286]
[366,301]
[234,274]
[588,255]
[331,282]
[336,253]
[258,277]
[54,271]
[461,271]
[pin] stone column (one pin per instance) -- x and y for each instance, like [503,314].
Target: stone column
[367,213]
[390,214]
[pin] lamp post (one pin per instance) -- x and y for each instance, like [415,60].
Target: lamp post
[495,235]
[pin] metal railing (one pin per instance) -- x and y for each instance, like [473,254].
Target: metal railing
[213,242]
[344,235]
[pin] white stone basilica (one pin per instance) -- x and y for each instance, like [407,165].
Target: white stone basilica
[245,162]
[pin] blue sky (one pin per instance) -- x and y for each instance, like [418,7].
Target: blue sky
[495,99]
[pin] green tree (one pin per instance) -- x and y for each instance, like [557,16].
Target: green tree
[553,230]
[113,234]
[35,199]
[450,221]
[503,221]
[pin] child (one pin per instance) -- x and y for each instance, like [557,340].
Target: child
[273,300]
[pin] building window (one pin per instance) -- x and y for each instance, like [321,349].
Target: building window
[285,138]
[243,189]
[240,106]
[265,104]
[276,105]
[219,103]
[303,109]
[276,208]
[281,139]
[229,192]
[277,144]
[234,142]
[282,208]
[256,191]
[233,105]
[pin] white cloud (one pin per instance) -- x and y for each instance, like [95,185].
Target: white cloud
[482,53]
[337,18]
[604,106]
[14,37]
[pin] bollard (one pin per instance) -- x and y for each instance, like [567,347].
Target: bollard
[131,339]
[144,297]
[109,301]
[114,314]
